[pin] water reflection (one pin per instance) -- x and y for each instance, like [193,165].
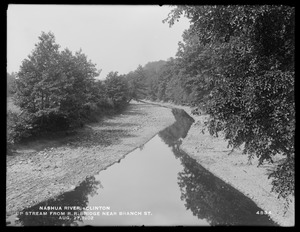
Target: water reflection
[158,177]
[207,196]
[172,135]
[211,198]
[77,197]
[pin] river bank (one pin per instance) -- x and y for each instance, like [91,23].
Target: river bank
[39,172]
[212,153]
[44,169]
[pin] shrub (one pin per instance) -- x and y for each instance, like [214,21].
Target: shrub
[19,126]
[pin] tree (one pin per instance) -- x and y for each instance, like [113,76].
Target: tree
[79,88]
[10,84]
[117,89]
[152,71]
[137,81]
[99,93]
[38,80]
[53,86]
[244,58]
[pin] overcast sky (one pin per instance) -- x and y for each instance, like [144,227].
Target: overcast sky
[116,38]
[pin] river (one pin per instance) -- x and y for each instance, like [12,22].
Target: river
[155,185]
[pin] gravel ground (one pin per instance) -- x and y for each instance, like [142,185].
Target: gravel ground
[36,174]
[234,169]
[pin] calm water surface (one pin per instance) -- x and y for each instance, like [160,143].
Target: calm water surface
[156,184]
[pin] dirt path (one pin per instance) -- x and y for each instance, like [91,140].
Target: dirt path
[37,174]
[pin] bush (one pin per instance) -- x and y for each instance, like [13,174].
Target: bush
[19,126]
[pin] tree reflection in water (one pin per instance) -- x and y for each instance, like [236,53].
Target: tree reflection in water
[207,196]
[211,198]
[172,134]
[77,197]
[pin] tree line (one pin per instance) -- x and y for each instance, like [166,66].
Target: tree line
[236,63]
[58,90]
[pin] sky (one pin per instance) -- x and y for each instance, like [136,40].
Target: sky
[114,37]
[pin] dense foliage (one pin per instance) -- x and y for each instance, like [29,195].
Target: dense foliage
[57,90]
[239,62]
[117,89]
[137,83]
[236,63]
[10,84]
[53,86]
